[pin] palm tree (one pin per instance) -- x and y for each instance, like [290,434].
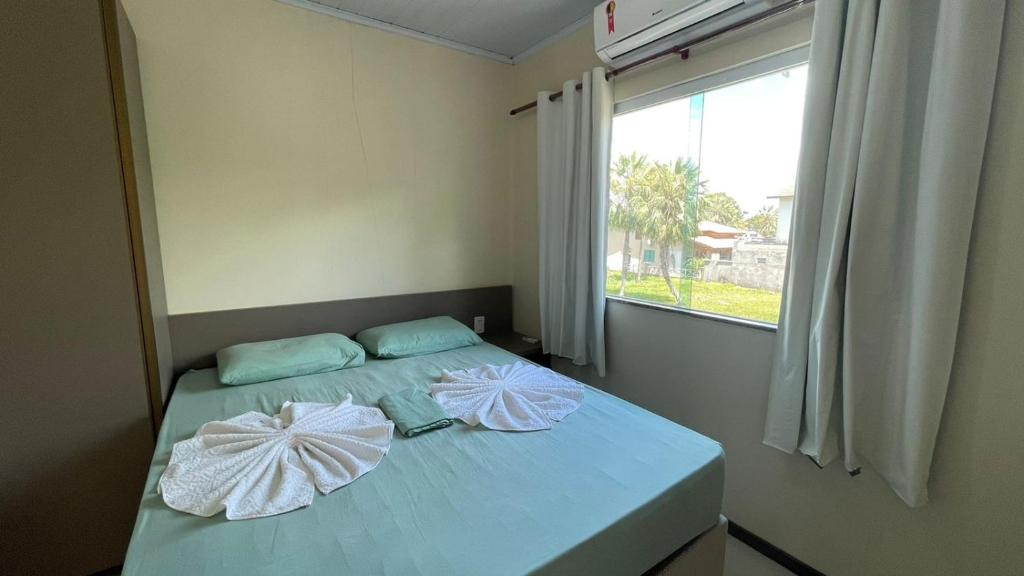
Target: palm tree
[668,213]
[629,179]
[640,267]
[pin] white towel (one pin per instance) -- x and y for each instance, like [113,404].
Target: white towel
[254,465]
[518,396]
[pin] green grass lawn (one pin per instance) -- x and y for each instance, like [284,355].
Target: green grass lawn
[714,297]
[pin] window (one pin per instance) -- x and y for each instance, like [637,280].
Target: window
[703,174]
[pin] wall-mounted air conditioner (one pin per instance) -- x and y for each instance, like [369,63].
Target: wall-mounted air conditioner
[622,27]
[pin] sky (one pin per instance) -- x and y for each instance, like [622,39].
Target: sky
[747,139]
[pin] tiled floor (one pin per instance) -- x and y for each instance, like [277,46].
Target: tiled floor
[741,560]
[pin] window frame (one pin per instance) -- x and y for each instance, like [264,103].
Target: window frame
[733,75]
[768,64]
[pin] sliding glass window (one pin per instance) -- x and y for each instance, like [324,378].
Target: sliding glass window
[702,190]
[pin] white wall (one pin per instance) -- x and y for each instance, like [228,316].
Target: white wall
[297,157]
[785,219]
[713,377]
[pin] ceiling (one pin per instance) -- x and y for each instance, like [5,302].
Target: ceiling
[500,29]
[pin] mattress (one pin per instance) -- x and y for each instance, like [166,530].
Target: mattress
[612,489]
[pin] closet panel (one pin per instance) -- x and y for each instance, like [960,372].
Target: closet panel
[77,433]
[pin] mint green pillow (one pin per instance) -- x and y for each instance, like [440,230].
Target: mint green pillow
[261,361]
[417,337]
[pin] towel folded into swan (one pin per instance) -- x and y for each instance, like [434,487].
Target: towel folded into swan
[513,397]
[256,465]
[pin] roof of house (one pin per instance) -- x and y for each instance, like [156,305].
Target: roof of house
[715,243]
[706,226]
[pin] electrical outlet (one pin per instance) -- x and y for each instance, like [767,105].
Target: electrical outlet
[478,324]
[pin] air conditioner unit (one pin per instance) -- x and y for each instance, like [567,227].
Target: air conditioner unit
[622,26]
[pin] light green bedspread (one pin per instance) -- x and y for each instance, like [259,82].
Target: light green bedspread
[612,489]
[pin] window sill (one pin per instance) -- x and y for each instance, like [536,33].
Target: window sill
[763,326]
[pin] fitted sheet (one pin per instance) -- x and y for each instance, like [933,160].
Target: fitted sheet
[612,489]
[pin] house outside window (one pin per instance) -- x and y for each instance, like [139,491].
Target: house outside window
[703,174]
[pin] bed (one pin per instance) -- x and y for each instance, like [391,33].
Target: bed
[613,489]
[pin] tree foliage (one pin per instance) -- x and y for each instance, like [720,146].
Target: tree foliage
[658,201]
[630,178]
[721,208]
[765,222]
[669,215]
[666,213]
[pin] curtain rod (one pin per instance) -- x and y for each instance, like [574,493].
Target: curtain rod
[682,50]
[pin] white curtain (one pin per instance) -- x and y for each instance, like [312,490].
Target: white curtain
[896,119]
[573,147]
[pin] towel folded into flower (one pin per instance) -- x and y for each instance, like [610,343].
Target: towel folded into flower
[513,397]
[256,465]
[414,412]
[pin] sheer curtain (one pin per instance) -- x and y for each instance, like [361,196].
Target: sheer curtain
[896,119]
[573,148]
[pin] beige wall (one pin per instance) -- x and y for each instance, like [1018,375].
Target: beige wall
[569,58]
[713,377]
[297,157]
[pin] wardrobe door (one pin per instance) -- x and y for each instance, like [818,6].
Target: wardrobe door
[76,437]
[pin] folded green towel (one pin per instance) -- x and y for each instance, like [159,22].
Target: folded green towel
[414,412]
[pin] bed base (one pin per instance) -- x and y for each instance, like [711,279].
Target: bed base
[702,556]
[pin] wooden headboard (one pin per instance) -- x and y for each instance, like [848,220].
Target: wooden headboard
[195,338]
